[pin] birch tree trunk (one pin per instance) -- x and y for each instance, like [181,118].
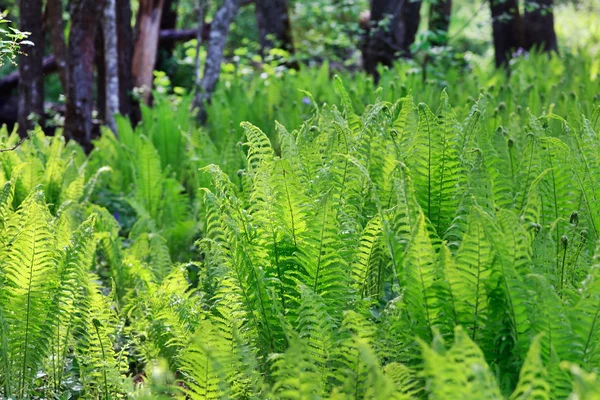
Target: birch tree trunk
[146,45]
[214,54]
[31,84]
[111,66]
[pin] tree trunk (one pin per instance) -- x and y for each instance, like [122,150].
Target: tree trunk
[506,27]
[146,45]
[100,74]
[168,21]
[538,24]
[384,44]
[85,19]
[111,66]
[214,53]
[274,27]
[57,39]
[439,21]
[31,86]
[125,56]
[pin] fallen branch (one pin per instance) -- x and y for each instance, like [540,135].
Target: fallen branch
[16,146]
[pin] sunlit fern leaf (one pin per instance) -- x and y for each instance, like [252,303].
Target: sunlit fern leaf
[26,180]
[74,264]
[354,122]
[586,385]
[148,177]
[100,364]
[317,329]
[510,298]
[417,282]
[6,195]
[207,364]
[533,378]
[470,134]
[406,380]
[295,374]
[367,271]
[550,316]
[436,166]
[460,372]
[478,191]
[260,151]
[378,385]
[469,279]
[404,128]
[54,170]
[585,316]
[319,255]
[152,250]
[399,218]
[356,331]
[585,171]
[30,274]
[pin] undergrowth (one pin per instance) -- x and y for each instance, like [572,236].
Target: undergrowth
[384,251]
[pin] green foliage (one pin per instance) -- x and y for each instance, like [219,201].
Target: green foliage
[374,252]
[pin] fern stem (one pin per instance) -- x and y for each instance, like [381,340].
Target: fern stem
[27,318]
[562,270]
[590,332]
[477,289]
[323,224]
[289,201]
[428,167]
[103,359]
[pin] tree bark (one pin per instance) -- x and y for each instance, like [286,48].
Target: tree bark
[100,74]
[384,44]
[57,39]
[146,45]
[439,20]
[85,19]
[538,24]
[31,86]
[125,56]
[214,54]
[506,28]
[168,21]
[274,27]
[111,66]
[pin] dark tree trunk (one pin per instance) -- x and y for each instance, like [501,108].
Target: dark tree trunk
[85,19]
[169,21]
[146,45]
[274,27]
[506,27]
[439,20]
[214,53]
[384,44]
[57,39]
[125,56]
[31,86]
[538,24]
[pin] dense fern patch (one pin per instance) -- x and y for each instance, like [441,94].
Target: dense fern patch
[402,253]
